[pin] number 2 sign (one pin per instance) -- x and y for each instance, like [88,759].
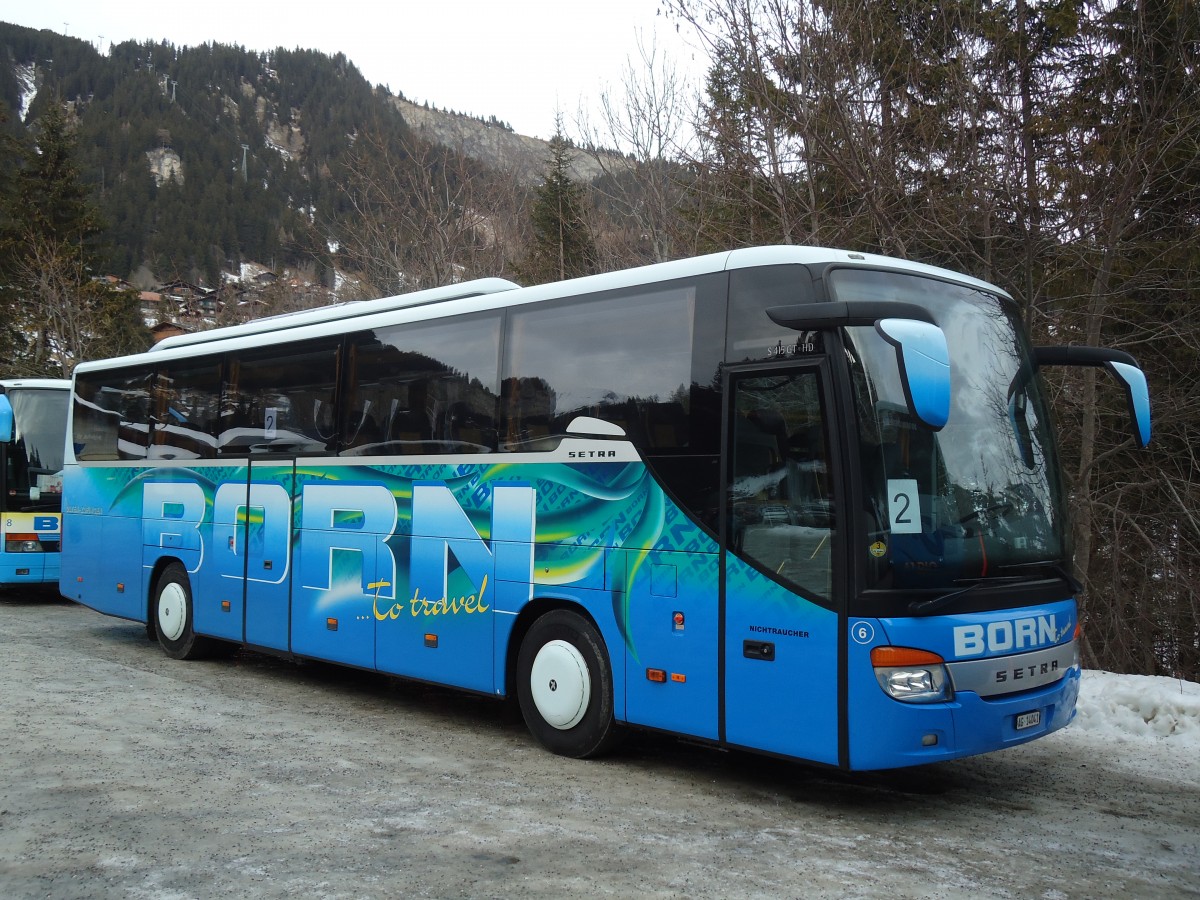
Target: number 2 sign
[904,505]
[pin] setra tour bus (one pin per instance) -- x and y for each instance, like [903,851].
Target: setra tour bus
[33,424]
[796,500]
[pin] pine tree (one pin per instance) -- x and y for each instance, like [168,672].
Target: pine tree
[11,150]
[58,310]
[53,198]
[562,241]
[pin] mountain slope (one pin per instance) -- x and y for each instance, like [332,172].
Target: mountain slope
[203,158]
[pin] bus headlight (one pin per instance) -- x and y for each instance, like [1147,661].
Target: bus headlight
[913,676]
[11,546]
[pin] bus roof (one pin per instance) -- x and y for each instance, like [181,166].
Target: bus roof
[62,384]
[496,293]
[338,312]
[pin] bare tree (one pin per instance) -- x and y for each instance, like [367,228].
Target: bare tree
[1052,150]
[1130,202]
[420,216]
[650,123]
[66,315]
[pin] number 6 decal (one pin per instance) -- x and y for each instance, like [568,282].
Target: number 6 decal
[904,506]
[862,632]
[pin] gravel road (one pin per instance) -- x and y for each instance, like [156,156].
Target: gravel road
[127,774]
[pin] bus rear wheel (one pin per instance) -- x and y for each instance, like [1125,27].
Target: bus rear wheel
[564,686]
[173,616]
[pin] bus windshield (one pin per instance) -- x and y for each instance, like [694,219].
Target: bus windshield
[980,499]
[34,461]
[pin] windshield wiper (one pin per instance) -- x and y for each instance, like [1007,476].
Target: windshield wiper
[1047,566]
[927,607]
[936,604]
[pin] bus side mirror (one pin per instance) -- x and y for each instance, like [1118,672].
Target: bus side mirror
[1122,366]
[924,362]
[6,420]
[922,355]
[1137,395]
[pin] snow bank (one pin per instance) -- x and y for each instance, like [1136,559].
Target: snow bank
[1164,710]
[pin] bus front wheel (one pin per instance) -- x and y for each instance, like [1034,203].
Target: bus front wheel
[564,685]
[173,615]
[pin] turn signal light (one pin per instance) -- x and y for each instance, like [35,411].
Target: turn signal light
[903,656]
[659,676]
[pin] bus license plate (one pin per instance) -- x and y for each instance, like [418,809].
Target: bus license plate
[1029,719]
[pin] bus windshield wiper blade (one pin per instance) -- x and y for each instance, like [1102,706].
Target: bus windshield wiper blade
[1050,567]
[928,607]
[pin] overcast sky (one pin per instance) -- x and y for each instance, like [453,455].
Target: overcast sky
[518,60]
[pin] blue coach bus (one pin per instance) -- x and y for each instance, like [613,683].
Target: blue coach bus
[33,423]
[796,500]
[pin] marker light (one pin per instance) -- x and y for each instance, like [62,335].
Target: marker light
[911,676]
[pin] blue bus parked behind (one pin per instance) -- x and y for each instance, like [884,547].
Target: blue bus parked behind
[796,500]
[33,424]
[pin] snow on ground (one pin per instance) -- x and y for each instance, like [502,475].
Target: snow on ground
[27,81]
[1149,724]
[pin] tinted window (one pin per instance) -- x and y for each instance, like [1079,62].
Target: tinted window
[752,334]
[112,415]
[424,388]
[780,489]
[627,359]
[186,411]
[280,402]
[39,417]
[34,459]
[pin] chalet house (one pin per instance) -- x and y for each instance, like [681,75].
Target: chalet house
[152,307]
[192,302]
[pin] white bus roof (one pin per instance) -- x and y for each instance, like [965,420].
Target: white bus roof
[62,384]
[340,312]
[497,293]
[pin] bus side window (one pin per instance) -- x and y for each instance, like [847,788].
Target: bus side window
[95,420]
[423,389]
[186,404]
[280,402]
[111,415]
[625,359]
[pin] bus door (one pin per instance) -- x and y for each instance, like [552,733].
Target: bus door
[344,573]
[252,524]
[781,542]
